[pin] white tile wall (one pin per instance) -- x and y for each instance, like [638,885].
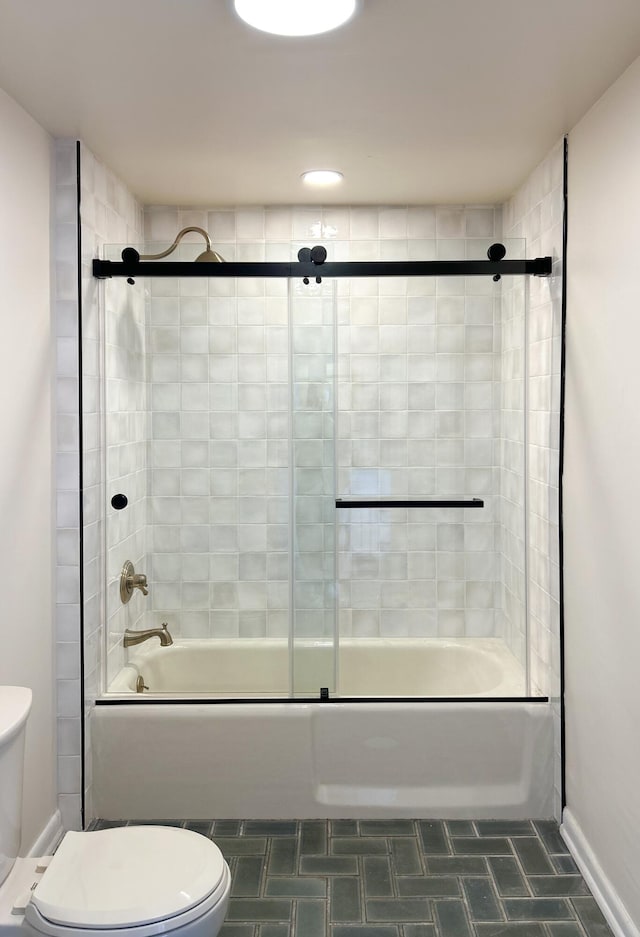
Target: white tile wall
[417,368]
[112,343]
[418,362]
[218,453]
[108,213]
[68,647]
[125,444]
[512,532]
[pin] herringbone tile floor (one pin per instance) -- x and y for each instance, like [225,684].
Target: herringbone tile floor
[401,878]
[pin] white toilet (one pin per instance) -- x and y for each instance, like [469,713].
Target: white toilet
[128,882]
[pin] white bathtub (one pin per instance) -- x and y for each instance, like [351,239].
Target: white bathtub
[156,757]
[420,667]
[440,759]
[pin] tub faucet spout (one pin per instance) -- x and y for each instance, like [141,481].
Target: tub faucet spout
[137,637]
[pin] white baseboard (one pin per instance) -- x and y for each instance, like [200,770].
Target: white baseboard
[602,889]
[49,838]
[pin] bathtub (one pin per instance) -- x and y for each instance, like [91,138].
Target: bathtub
[388,667]
[172,753]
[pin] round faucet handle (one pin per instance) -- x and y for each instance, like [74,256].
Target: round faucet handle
[130,580]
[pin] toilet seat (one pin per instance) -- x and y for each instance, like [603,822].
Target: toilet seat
[147,880]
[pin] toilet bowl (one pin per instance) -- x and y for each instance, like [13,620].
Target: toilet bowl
[136,881]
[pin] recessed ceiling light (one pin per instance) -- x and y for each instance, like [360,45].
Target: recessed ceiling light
[295,17]
[322,177]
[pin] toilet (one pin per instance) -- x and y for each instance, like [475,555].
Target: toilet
[135,881]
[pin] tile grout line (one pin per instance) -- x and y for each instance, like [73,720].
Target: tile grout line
[363,885]
[449,841]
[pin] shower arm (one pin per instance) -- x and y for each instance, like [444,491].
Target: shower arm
[179,237]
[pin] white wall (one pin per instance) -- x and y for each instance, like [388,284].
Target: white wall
[602,516]
[26,508]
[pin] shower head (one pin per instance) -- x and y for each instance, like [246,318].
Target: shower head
[207,256]
[210,256]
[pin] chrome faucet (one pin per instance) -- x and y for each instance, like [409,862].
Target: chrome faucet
[137,637]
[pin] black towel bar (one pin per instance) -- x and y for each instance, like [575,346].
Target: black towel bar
[473,503]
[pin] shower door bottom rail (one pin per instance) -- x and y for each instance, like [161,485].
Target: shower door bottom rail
[135,700]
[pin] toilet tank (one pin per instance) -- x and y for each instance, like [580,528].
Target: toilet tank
[15,703]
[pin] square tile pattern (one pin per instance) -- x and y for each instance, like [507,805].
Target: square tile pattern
[400,878]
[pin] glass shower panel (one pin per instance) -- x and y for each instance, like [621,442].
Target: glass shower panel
[122,352]
[197,439]
[424,416]
[517,481]
[313,580]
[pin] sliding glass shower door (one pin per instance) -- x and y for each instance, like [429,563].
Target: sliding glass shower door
[313,488]
[220,488]
[243,419]
[432,486]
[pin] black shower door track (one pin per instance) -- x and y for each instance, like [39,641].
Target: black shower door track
[140,700]
[540,267]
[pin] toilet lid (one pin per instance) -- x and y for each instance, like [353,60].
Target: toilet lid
[127,876]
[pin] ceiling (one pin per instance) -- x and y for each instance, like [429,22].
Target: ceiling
[415,101]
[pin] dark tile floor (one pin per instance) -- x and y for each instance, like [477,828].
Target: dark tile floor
[401,878]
